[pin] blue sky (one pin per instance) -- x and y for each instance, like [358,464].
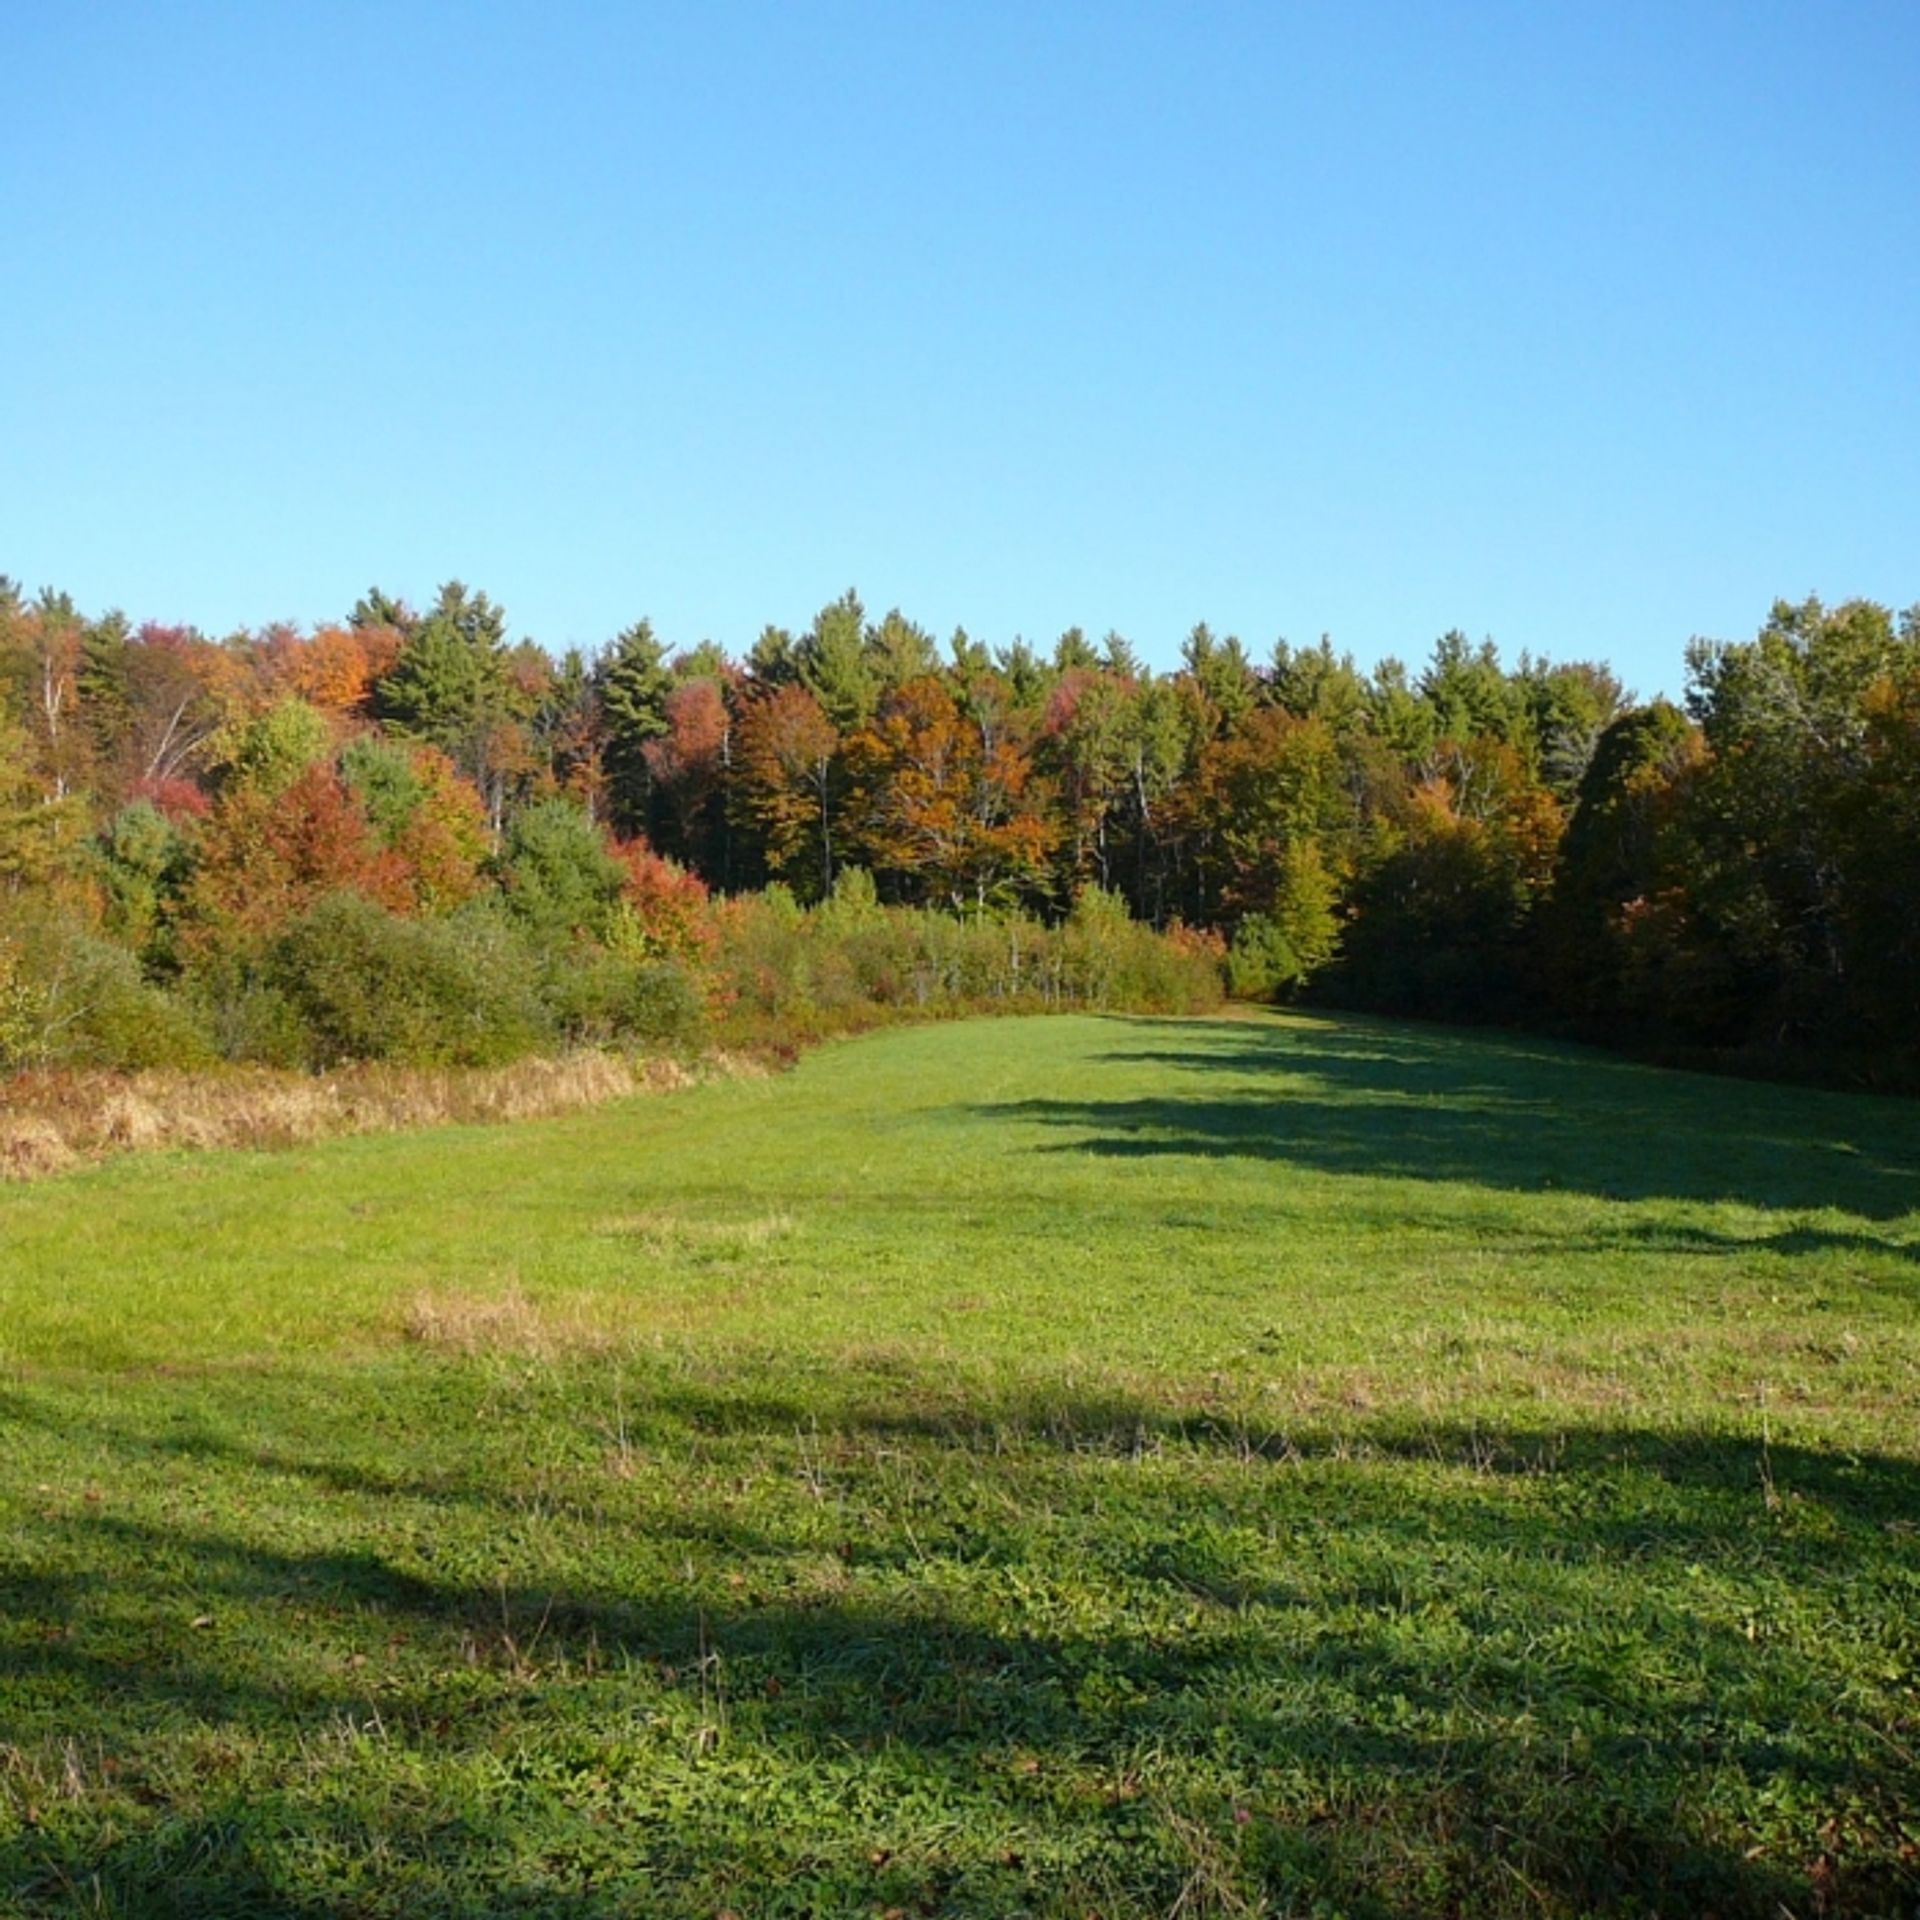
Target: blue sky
[1586,327]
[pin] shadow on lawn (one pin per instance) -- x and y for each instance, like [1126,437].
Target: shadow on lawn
[1331,1718]
[1504,1115]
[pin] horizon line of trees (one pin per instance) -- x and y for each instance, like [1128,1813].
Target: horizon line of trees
[1467,839]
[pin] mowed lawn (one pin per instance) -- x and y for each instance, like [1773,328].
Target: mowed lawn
[1076,1466]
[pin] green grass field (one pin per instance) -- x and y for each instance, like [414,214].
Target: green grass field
[1076,1466]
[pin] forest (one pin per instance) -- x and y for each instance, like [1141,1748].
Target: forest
[410,836]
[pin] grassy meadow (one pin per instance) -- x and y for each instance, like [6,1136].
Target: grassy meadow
[1084,1466]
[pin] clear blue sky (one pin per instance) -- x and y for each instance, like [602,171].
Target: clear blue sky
[1586,326]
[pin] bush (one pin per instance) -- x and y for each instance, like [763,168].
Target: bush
[851,957]
[247,1018]
[1109,959]
[763,952]
[1099,949]
[1261,963]
[365,984]
[597,997]
[71,999]
[21,1011]
[666,1006]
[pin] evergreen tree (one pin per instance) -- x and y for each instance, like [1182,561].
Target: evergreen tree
[633,683]
[834,664]
[452,687]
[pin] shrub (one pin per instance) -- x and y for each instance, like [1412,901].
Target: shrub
[598,997]
[69,998]
[851,956]
[666,1006]
[1096,945]
[247,1017]
[1106,958]
[664,910]
[20,1009]
[1261,963]
[762,955]
[368,985]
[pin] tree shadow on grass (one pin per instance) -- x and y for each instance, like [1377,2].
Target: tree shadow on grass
[1373,1703]
[1403,1104]
[995,1718]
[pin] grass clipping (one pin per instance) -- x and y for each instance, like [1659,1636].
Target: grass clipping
[50,1122]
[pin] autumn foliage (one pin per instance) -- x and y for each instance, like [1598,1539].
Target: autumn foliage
[1741,877]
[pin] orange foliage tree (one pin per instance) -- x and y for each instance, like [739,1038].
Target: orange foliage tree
[947,803]
[336,668]
[787,784]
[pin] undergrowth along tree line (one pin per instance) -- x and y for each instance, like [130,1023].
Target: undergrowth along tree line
[407,837]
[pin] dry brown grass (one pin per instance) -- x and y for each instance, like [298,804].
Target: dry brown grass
[666,1232]
[49,1122]
[508,1322]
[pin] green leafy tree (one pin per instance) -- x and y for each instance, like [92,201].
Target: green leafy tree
[1159,743]
[377,609]
[273,749]
[1073,652]
[968,658]
[707,661]
[1470,695]
[1280,949]
[1083,749]
[1273,786]
[1878,835]
[1619,854]
[1789,721]
[1222,675]
[41,657]
[1569,707]
[1401,718]
[773,659]
[1025,676]
[42,834]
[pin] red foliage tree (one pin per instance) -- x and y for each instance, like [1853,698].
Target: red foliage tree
[688,765]
[265,857]
[671,907]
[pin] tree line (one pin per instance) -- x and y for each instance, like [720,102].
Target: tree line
[1738,874]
